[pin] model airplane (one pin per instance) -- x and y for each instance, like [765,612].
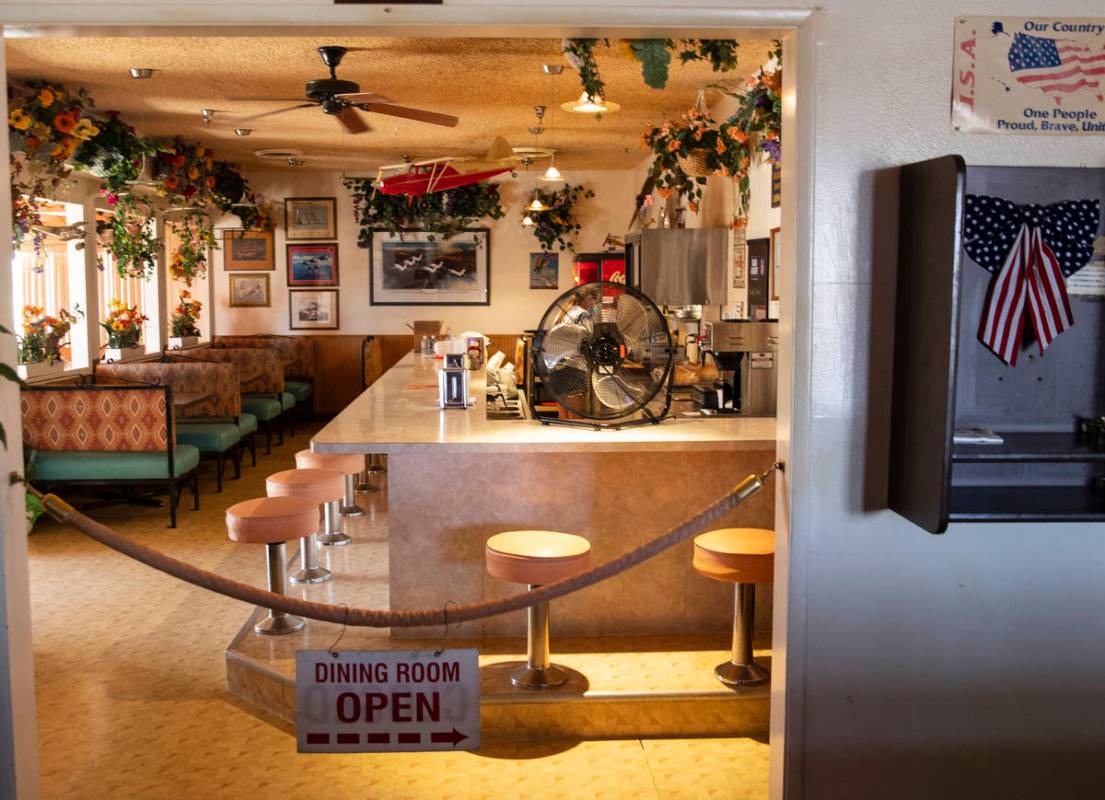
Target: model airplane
[440,174]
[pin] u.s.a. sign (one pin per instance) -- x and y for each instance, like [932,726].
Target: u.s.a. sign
[1029,75]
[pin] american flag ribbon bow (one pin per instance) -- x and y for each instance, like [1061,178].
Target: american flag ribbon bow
[1032,250]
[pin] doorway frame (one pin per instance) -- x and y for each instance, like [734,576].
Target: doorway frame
[796,26]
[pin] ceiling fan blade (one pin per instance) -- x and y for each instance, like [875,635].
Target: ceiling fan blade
[411,113]
[363,97]
[277,111]
[267,99]
[352,121]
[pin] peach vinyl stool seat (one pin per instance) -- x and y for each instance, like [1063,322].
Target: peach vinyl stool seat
[345,463]
[317,485]
[271,521]
[743,557]
[267,520]
[536,557]
[736,555]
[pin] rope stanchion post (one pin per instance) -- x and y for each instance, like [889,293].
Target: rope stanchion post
[379,618]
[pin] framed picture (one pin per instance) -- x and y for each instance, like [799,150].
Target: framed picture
[311,218]
[313,264]
[249,291]
[776,254]
[421,269]
[248,250]
[544,270]
[313,309]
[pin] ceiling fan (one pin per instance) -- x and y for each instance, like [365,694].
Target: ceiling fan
[342,99]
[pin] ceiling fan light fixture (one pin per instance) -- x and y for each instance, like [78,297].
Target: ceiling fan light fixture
[140,73]
[587,104]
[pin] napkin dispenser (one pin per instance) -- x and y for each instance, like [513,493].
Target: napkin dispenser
[452,381]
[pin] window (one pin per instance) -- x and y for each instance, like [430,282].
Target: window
[54,280]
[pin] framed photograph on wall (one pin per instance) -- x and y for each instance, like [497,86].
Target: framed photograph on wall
[313,264]
[248,250]
[249,291]
[313,309]
[311,218]
[544,270]
[421,269]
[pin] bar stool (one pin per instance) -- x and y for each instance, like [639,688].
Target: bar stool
[373,467]
[536,558]
[745,556]
[271,521]
[348,464]
[319,486]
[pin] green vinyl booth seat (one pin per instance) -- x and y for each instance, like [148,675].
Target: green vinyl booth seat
[301,390]
[246,424]
[287,401]
[216,441]
[113,465]
[263,407]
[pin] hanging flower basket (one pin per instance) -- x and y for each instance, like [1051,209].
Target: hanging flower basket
[696,164]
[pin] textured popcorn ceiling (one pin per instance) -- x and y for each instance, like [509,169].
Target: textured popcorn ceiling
[491,84]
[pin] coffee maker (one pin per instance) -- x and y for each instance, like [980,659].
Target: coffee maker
[745,356]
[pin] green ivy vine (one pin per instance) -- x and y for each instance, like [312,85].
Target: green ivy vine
[443,214]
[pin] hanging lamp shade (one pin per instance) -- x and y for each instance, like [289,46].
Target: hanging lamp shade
[537,205]
[552,175]
[527,221]
[590,105]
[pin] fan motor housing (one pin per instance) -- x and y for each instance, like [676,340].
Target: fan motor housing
[606,347]
[319,90]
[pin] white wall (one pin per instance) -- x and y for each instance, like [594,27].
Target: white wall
[514,306]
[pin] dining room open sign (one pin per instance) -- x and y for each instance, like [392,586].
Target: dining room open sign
[381,701]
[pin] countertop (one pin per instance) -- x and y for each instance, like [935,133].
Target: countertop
[400,411]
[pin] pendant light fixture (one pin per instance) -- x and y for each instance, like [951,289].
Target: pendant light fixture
[552,174]
[587,104]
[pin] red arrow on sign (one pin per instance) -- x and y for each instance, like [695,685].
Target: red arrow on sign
[454,736]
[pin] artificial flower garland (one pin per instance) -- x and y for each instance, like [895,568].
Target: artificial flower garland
[442,214]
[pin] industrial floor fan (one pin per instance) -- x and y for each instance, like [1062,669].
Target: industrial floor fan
[604,352]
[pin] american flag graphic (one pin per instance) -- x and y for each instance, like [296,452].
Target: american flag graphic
[1030,277]
[1057,67]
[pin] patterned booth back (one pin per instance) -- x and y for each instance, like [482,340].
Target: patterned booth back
[119,418]
[296,352]
[259,370]
[218,381]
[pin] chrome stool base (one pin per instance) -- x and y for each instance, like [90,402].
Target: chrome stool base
[276,626]
[333,539]
[549,677]
[349,507]
[311,575]
[741,674]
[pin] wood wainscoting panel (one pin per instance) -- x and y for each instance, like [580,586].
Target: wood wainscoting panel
[339,361]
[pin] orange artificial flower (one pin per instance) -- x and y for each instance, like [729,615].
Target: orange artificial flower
[171,182]
[65,122]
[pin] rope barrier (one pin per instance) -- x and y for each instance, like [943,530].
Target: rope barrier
[379,618]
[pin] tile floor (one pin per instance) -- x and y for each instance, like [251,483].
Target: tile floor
[132,700]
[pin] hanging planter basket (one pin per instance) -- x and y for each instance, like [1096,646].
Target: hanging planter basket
[695,164]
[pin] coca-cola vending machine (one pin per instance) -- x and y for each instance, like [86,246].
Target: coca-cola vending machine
[591,267]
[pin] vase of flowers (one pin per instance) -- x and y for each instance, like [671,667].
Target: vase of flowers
[42,341]
[124,332]
[185,317]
